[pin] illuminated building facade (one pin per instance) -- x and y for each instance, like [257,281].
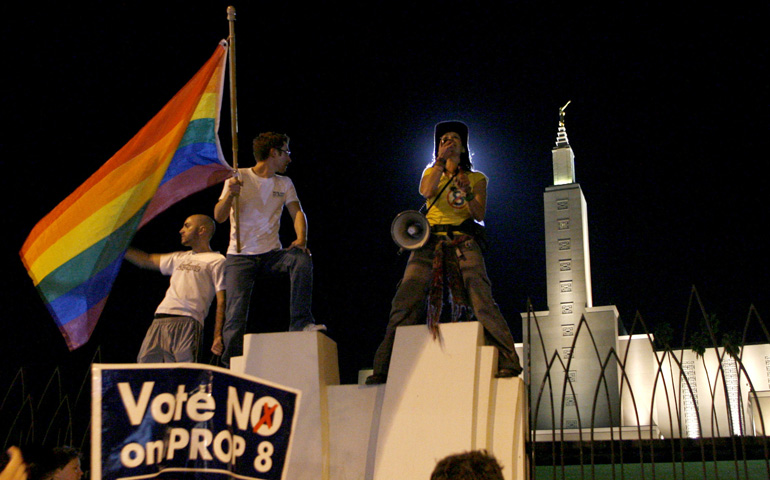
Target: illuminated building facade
[585,373]
[561,342]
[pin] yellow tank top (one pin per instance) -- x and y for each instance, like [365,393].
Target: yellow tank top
[451,208]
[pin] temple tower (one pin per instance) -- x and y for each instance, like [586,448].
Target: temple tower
[558,339]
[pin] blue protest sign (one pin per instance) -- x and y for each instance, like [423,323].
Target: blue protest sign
[188,421]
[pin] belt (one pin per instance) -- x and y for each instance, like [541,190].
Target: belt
[170,315]
[445,228]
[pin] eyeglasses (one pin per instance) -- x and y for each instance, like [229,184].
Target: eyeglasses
[287,152]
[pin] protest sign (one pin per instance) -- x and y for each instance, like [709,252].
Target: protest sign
[188,421]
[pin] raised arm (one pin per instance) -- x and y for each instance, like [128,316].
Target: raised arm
[429,182]
[222,208]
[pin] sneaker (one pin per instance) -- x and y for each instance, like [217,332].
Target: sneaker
[313,327]
[376,379]
[507,373]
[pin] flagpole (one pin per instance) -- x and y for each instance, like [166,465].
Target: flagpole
[234,120]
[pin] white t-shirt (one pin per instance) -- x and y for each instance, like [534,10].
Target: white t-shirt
[195,279]
[261,204]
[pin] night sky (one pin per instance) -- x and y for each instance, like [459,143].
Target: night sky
[668,122]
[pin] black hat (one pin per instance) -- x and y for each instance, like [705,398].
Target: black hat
[451,126]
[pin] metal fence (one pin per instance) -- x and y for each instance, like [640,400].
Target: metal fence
[695,412]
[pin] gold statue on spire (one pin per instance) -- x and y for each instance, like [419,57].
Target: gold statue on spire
[561,113]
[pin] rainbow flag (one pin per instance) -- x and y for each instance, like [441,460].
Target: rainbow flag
[75,252]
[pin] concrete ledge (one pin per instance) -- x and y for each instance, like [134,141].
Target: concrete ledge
[441,398]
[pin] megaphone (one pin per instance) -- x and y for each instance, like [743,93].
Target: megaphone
[410,230]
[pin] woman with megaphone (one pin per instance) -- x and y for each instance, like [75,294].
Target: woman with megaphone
[448,263]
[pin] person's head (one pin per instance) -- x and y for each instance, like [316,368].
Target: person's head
[62,463]
[452,130]
[264,142]
[197,230]
[475,465]
[272,148]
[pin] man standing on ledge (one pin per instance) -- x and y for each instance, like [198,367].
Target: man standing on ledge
[450,265]
[262,195]
[197,275]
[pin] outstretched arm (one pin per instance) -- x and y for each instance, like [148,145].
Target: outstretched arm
[141,259]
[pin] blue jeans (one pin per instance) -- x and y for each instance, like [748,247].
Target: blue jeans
[240,273]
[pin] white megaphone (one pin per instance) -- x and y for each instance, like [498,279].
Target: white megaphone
[410,230]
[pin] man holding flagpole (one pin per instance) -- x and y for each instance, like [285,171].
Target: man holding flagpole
[262,194]
[197,276]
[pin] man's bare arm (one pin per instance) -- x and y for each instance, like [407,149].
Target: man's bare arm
[141,259]
[218,347]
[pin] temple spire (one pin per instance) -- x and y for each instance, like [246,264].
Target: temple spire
[563,157]
[561,136]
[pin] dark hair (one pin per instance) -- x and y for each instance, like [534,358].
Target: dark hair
[46,462]
[64,455]
[465,160]
[265,141]
[475,465]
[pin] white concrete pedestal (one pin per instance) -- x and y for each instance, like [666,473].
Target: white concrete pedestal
[306,361]
[441,398]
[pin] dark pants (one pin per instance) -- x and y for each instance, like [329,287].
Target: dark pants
[409,306]
[240,273]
